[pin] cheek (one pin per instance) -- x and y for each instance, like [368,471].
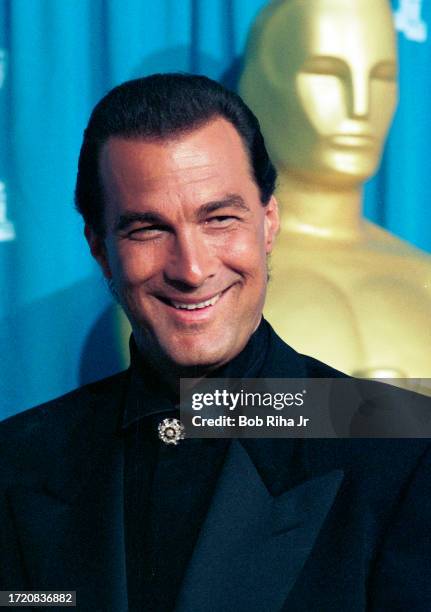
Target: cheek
[134,263]
[383,103]
[245,253]
[323,99]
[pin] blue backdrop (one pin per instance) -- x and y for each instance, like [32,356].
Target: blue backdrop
[57,58]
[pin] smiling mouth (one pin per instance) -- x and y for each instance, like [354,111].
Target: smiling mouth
[192,306]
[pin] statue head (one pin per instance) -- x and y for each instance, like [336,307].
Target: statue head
[321,77]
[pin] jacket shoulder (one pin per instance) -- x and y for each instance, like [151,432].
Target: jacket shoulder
[42,431]
[318,369]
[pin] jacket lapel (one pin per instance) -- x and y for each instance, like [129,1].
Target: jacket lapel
[253,545]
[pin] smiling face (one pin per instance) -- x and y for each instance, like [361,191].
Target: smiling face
[186,243]
[321,77]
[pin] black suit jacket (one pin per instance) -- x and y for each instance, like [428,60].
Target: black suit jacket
[295,525]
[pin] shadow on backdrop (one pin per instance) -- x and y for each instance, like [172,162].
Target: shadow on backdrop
[53,345]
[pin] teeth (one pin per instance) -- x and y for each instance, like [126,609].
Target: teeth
[210,302]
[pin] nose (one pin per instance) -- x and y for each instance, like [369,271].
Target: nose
[190,262]
[360,95]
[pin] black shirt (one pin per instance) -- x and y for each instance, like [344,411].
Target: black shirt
[168,488]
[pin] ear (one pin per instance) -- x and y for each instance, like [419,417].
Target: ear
[98,250]
[271,224]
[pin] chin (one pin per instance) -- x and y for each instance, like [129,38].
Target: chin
[353,166]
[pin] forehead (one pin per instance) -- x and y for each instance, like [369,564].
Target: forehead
[348,29]
[213,152]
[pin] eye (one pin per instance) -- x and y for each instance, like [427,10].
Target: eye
[385,71]
[146,232]
[221,220]
[326,65]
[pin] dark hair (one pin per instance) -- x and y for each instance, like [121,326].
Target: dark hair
[160,106]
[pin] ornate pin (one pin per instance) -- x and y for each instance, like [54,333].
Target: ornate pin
[171,431]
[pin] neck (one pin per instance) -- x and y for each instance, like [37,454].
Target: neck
[242,364]
[164,369]
[170,373]
[322,211]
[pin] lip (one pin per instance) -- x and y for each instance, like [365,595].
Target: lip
[353,141]
[192,316]
[190,300]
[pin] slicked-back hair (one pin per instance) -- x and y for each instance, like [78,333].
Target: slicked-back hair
[158,107]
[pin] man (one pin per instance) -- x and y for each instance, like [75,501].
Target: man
[176,190]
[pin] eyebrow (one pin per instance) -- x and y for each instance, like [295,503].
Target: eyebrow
[230,201]
[128,218]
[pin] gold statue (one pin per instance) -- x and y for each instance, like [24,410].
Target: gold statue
[321,75]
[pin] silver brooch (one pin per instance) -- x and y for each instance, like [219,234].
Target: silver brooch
[171,431]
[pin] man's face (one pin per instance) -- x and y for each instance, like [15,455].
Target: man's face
[186,243]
